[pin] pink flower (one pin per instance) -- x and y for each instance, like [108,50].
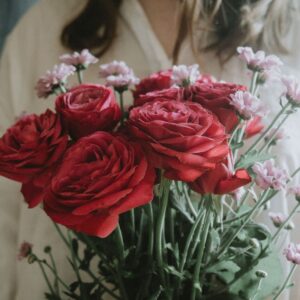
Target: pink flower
[52,79]
[183,75]
[292,253]
[270,176]
[114,68]
[25,250]
[121,81]
[258,61]
[292,89]
[118,75]
[247,105]
[276,135]
[295,190]
[278,219]
[81,60]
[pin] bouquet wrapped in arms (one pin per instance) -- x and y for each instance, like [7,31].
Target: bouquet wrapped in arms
[159,200]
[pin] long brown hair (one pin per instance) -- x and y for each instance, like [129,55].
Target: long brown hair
[220,25]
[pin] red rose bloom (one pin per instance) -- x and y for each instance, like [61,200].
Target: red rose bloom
[88,108]
[29,149]
[155,82]
[100,177]
[182,138]
[173,93]
[221,180]
[215,96]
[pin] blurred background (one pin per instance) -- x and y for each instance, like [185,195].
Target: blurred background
[10,12]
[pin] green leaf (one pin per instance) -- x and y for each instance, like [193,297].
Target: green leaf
[156,295]
[225,270]
[246,286]
[248,160]
[215,239]
[171,270]
[180,205]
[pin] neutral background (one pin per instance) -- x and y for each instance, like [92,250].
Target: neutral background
[10,12]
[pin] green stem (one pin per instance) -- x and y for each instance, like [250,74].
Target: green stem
[61,235]
[245,197]
[253,84]
[56,275]
[273,134]
[56,286]
[46,277]
[62,88]
[196,276]
[240,139]
[140,234]
[245,222]
[189,202]
[75,266]
[160,228]
[120,243]
[234,132]
[144,288]
[132,220]
[122,107]
[286,282]
[79,76]
[187,246]
[263,135]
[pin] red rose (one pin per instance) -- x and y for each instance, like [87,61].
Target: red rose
[155,82]
[159,87]
[182,138]
[88,108]
[101,176]
[215,96]
[221,180]
[173,93]
[29,149]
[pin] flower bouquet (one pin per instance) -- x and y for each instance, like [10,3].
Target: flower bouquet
[159,200]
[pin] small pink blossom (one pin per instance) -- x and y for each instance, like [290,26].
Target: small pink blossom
[258,61]
[276,135]
[183,75]
[292,89]
[114,68]
[270,176]
[120,81]
[295,190]
[118,75]
[278,219]
[25,250]
[292,253]
[247,105]
[82,59]
[52,79]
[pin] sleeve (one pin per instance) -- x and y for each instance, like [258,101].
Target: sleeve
[9,190]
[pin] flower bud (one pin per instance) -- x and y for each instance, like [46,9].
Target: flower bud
[254,243]
[290,226]
[47,249]
[261,274]
[31,259]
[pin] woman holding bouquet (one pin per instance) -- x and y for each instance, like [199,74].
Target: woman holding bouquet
[149,36]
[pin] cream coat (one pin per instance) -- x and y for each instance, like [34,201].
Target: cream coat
[34,47]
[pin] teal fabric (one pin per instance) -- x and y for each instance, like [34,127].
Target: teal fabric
[10,13]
